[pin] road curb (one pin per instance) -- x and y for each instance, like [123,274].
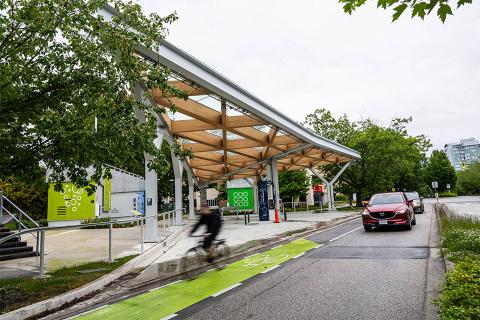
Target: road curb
[141,261]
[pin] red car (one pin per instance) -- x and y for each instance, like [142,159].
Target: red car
[388,209]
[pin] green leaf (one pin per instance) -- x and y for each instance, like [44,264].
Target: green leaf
[419,10]
[443,11]
[398,11]
[463,2]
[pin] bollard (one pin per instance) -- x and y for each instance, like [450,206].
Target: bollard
[110,243]
[42,252]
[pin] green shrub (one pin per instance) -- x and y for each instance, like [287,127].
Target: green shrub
[32,198]
[341,197]
[447,194]
[461,295]
[100,220]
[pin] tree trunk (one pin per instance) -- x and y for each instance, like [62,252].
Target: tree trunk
[359,199]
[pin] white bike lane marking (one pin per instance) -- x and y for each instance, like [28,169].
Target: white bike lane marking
[336,238]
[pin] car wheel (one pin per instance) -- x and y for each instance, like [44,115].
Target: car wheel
[409,225]
[367,228]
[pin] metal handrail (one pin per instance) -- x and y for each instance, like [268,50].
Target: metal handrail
[21,211]
[15,218]
[41,231]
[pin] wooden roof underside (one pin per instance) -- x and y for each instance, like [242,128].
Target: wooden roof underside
[224,139]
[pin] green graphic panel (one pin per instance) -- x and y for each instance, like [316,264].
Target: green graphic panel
[241,198]
[107,195]
[165,301]
[71,204]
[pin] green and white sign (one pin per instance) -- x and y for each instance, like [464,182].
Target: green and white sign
[70,204]
[241,198]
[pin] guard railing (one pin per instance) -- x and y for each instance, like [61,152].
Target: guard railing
[175,225]
[20,217]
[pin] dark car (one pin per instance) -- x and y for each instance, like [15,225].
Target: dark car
[388,209]
[417,201]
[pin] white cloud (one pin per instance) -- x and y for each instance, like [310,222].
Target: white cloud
[310,54]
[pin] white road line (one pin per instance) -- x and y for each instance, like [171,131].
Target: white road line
[344,234]
[274,267]
[276,246]
[297,256]
[323,230]
[251,255]
[166,285]
[87,312]
[320,245]
[225,290]
[173,315]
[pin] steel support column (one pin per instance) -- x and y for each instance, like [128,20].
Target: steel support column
[255,194]
[191,184]
[276,187]
[151,195]
[178,172]
[329,184]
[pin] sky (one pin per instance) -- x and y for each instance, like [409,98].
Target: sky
[307,54]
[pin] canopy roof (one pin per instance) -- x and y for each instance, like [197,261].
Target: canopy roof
[232,133]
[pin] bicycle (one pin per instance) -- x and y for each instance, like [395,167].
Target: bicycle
[195,255]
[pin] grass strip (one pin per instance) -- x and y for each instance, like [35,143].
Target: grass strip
[20,292]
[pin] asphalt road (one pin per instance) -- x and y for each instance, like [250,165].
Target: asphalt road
[385,274]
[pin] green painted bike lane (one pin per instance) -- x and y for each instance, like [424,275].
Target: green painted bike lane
[170,299]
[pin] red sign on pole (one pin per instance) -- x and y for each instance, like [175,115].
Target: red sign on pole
[317,188]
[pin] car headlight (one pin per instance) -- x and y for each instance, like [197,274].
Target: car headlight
[365,212]
[416,203]
[402,211]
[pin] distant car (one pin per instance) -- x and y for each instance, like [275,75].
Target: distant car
[388,209]
[417,201]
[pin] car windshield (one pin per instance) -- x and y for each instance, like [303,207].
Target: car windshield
[412,195]
[386,198]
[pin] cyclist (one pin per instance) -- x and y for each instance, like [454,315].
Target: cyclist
[213,221]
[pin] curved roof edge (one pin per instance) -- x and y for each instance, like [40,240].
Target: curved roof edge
[190,67]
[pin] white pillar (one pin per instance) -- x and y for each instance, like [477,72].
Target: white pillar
[269,179]
[151,196]
[255,198]
[178,171]
[191,208]
[275,184]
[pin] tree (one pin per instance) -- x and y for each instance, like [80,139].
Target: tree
[468,182]
[293,184]
[441,170]
[391,158]
[418,8]
[66,87]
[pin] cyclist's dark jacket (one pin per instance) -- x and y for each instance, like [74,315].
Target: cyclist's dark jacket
[213,222]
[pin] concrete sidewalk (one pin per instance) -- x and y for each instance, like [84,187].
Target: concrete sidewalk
[69,247]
